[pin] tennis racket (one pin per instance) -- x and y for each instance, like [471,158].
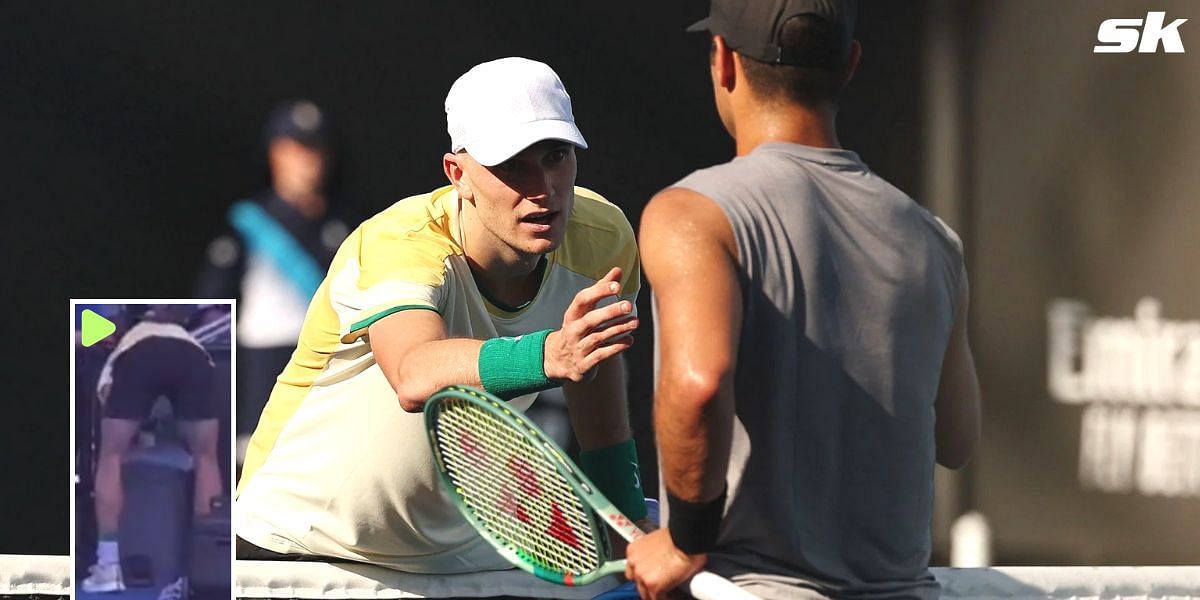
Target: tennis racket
[526,498]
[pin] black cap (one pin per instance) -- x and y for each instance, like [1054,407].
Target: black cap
[751,27]
[299,120]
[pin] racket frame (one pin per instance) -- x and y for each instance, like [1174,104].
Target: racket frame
[600,507]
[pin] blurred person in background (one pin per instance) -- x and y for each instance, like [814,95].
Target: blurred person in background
[808,474]
[155,357]
[274,253]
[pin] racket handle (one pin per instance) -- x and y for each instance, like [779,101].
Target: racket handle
[708,586]
[702,586]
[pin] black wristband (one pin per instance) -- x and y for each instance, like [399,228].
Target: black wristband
[694,525]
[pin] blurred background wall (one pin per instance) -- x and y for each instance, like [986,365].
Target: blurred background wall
[1083,185]
[129,128]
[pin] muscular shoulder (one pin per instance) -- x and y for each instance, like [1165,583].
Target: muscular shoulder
[599,237]
[679,218]
[409,240]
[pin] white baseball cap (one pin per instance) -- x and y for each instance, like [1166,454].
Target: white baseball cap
[501,107]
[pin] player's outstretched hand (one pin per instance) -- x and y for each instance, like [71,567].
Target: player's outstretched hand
[589,335]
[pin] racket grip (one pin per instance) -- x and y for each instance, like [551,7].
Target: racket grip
[708,586]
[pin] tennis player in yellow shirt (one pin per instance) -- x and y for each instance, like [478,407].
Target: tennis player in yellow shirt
[510,278]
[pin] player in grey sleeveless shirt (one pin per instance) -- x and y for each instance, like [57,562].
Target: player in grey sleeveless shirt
[813,362]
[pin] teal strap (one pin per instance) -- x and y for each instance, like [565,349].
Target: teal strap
[512,366]
[267,236]
[614,469]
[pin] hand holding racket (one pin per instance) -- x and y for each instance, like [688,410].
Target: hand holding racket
[526,498]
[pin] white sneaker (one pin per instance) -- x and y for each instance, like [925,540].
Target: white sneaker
[104,578]
[175,591]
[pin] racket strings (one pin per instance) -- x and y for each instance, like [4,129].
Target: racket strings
[511,486]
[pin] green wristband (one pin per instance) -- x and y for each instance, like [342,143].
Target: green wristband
[614,469]
[512,366]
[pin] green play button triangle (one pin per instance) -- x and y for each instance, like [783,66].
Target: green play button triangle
[95,327]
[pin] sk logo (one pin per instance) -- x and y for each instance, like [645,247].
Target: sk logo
[1121,36]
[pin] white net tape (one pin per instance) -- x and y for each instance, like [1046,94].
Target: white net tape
[347,581]
[321,581]
[1079,583]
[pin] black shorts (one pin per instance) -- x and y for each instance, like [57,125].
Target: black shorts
[162,366]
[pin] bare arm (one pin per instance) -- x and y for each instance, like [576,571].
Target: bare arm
[688,254]
[418,358]
[600,418]
[958,399]
[599,408]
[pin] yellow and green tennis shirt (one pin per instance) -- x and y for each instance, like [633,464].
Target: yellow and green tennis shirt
[336,467]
